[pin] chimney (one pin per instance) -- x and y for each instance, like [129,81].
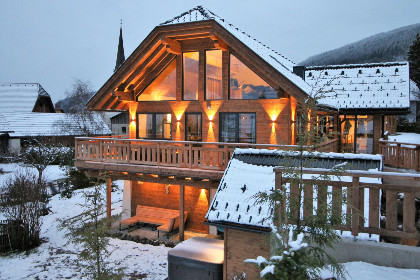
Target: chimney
[300,71]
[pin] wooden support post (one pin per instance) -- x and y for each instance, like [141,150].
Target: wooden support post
[181,212]
[108,197]
[355,203]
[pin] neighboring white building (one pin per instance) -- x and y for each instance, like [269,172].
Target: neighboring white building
[26,111]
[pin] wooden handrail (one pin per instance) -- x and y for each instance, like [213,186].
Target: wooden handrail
[357,192]
[400,154]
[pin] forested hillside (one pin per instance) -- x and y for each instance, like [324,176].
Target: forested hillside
[387,46]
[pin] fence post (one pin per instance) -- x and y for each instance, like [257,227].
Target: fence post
[355,205]
[190,156]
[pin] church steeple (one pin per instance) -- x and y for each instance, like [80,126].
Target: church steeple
[120,54]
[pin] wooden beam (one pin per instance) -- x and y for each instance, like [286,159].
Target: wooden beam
[155,70]
[124,96]
[172,46]
[218,42]
[181,212]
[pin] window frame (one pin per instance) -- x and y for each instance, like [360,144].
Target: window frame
[229,75]
[153,126]
[237,114]
[186,126]
[183,76]
[205,74]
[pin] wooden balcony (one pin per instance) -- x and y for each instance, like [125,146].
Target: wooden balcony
[186,159]
[401,155]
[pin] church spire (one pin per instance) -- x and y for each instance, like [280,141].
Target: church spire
[120,54]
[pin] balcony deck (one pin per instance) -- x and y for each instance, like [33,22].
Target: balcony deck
[178,159]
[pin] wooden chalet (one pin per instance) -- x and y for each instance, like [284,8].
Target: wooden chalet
[195,88]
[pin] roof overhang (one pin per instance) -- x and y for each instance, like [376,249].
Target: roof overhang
[161,46]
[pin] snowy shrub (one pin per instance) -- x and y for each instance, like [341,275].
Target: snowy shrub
[24,201]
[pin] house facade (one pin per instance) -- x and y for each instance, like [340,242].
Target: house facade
[195,88]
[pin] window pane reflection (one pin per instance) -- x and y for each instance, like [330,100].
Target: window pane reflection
[193,127]
[163,87]
[213,74]
[237,127]
[245,84]
[154,126]
[364,141]
[190,62]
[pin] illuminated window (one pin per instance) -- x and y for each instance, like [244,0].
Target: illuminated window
[190,80]
[245,84]
[154,126]
[193,126]
[163,87]
[237,127]
[357,134]
[213,74]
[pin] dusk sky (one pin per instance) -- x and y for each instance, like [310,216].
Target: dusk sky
[54,42]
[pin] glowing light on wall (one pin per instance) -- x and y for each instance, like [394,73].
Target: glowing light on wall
[211,108]
[293,121]
[179,108]
[132,108]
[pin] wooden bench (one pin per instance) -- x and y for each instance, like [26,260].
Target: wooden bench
[167,220]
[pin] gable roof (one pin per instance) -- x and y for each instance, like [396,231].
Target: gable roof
[164,42]
[362,86]
[275,59]
[21,97]
[48,124]
[251,171]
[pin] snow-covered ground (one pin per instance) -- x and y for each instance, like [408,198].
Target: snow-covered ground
[53,259]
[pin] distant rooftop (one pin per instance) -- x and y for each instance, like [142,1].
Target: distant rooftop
[362,86]
[275,59]
[20,97]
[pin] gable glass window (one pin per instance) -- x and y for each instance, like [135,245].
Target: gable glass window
[190,77]
[163,87]
[193,126]
[213,74]
[245,84]
[237,127]
[154,126]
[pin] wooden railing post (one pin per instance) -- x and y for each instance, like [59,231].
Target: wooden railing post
[128,151]
[399,157]
[226,156]
[100,149]
[158,154]
[417,158]
[355,204]
[190,156]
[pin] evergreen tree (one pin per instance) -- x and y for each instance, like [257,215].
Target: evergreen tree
[413,57]
[299,243]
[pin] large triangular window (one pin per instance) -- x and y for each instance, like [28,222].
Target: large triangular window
[245,84]
[163,87]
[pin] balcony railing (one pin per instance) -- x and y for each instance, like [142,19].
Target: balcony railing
[402,155]
[365,206]
[182,154]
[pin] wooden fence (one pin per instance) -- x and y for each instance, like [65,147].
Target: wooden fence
[358,201]
[182,154]
[401,155]
[4,235]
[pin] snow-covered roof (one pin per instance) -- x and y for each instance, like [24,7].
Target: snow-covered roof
[48,124]
[234,202]
[362,86]
[275,59]
[20,97]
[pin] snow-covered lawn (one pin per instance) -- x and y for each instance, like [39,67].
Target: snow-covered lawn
[405,137]
[53,259]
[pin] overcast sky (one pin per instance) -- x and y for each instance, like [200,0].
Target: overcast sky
[54,42]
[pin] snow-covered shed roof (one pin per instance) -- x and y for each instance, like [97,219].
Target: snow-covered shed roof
[20,97]
[48,124]
[362,86]
[251,171]
[275,59]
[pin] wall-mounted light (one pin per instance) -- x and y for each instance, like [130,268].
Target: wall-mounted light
[208,106]
[167,188]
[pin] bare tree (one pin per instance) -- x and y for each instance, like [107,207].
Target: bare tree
[79,120]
